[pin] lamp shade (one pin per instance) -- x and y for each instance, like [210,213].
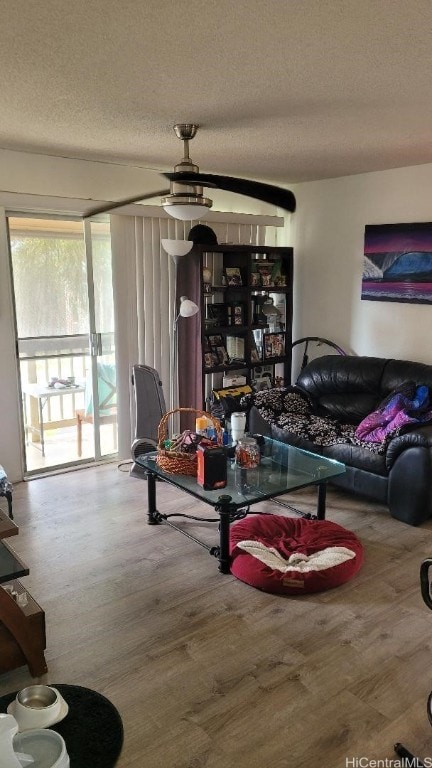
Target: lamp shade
[188,308]
[176,247]
[186,212]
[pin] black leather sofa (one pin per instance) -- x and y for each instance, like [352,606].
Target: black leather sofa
[348,388]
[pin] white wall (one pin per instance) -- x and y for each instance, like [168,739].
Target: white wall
[36,174]
[327,232]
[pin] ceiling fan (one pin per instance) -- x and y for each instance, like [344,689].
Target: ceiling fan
[185,200]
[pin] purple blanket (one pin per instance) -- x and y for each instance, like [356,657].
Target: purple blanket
[394,413]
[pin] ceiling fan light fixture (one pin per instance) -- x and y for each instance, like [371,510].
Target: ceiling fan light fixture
[186,207]
[186,201]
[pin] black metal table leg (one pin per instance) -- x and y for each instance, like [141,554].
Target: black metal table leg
[151,499]
[321,505]
[8,495]
[224,508]
[412,761]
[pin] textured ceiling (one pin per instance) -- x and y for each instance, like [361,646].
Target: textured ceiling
[284,90]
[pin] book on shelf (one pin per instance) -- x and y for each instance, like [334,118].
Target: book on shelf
[235,347]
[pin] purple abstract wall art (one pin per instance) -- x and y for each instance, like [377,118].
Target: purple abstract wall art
[397,263]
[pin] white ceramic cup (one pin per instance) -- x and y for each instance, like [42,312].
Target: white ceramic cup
[238,424]
[36,706]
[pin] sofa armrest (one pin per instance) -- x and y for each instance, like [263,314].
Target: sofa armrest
[418,437]
[257,425]
[409,486]
[409,458]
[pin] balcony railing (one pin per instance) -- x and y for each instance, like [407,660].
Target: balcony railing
[41,361]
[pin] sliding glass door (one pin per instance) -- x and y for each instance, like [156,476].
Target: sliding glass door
[101,403]
[65,339]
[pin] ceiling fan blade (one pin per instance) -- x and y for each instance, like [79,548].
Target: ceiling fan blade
[137,198]
[268,193]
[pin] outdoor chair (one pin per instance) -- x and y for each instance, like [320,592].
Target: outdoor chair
[107,393]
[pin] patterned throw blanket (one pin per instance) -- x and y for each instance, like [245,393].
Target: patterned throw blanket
[290,410]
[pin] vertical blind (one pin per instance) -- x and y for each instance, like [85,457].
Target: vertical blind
[144,277]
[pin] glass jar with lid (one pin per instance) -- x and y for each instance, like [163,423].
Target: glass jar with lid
[247,453]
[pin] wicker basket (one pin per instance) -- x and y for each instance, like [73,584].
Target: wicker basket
[178,462]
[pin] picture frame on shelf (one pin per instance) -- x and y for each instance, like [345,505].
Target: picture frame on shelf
[262,384]
[222,355]
[215,340]
[233,276]
[211,360]
[276,272]
[209,323]
[263,377]
[236,313]
[264,370]
[218,312]
[273,345]
[264,269]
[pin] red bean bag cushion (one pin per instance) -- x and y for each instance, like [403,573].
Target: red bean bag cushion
[293,556]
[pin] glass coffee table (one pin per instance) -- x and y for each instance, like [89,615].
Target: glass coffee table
[283,468]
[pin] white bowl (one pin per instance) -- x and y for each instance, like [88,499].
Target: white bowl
[38,706]
[47,748]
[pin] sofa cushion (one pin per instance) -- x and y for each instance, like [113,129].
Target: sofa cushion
[346,388]
[347,408]
[357,456]
[285,436]
[397,372]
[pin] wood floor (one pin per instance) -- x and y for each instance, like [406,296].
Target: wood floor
[207,671]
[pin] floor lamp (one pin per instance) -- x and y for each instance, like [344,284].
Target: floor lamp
[187,308]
